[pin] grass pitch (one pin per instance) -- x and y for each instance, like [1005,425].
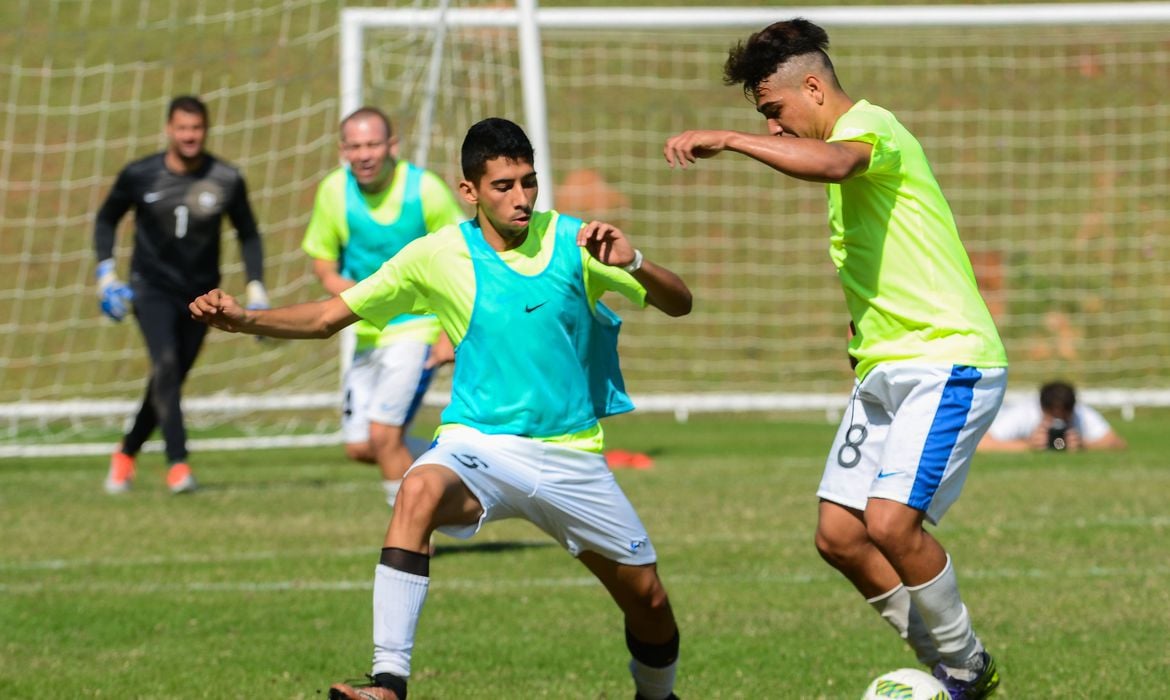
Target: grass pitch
[260,584]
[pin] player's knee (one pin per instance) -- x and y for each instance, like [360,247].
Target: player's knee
[650,595]
[418,498]
[167,364]
[836,548]
[890,535]
[359,452]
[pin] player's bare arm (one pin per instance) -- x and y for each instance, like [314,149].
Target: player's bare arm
[803,158]
[664,290]
[328,274]
[315,319]
[442,352]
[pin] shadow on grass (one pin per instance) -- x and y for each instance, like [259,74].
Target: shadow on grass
[489,547]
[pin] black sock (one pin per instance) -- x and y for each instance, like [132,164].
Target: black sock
[653,655]
[392,682]
[406,561]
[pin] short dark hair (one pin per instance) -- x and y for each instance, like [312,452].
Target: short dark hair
[493,138]
[368,111]
[189,104]
[1058,397]
[754,61]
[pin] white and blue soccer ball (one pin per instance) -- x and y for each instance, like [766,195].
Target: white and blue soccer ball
[906,684]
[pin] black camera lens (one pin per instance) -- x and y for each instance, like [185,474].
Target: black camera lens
[1057,435]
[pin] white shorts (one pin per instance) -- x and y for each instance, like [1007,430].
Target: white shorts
[909,433]
[570,494]
[384,385]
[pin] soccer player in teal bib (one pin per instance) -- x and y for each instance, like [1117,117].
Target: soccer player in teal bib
[518,292]
[931,370]
[366,212]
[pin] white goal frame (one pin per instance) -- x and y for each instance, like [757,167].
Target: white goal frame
[527,19]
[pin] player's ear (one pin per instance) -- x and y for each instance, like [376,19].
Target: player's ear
[394,147]
[815,88]
[470,194]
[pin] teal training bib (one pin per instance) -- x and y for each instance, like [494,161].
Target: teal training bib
[536,360]
[372,243]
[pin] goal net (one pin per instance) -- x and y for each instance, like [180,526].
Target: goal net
[1044,123]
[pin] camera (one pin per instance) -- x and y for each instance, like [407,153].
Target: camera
[1058,434]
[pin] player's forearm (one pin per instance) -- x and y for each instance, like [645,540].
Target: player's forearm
[330,278]
[314,319]
[805,159]
[252,253]
[665,290]
[105,229]
[335,283]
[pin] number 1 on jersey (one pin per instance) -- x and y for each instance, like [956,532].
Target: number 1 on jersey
[181,216]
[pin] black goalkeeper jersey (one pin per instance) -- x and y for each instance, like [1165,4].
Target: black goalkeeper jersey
[177,223]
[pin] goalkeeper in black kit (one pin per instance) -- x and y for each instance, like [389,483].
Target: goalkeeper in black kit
[179,197]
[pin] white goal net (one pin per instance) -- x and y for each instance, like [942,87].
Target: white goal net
[1046,125]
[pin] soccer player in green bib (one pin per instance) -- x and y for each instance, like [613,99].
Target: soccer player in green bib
[931,370]
[366,212]
[518,292]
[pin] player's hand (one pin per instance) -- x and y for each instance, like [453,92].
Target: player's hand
[442,352]
[606,243]
[687,147]
[114,294]
[116,300]
[220,310]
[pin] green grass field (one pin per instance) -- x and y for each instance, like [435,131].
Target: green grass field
[260,584]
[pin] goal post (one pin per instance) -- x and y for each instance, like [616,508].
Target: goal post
[1045,124]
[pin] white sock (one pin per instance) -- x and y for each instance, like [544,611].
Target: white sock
[946,617]
[896,608]
[653,683]
[398,602]
[391,486]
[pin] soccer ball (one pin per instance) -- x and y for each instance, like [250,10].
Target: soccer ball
[906,684]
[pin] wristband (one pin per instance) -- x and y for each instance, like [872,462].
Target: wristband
[635,264]
[106,275]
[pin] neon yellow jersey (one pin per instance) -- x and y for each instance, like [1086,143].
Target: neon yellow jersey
[328,234]
[435,273]
[908,283]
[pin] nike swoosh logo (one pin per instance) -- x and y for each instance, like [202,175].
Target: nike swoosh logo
[152,197]
[530,309]
[882,475]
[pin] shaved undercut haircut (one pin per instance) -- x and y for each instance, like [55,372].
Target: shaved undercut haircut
[797,43]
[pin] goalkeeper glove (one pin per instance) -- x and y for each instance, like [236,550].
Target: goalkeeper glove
[257,299]
[257,296]
[115,294]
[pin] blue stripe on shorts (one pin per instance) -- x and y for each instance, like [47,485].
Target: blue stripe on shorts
[949,420]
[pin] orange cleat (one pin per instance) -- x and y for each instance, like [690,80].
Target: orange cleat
[180,479]
[121,473]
